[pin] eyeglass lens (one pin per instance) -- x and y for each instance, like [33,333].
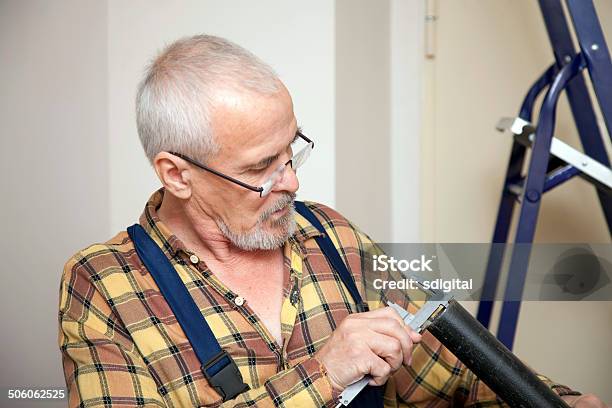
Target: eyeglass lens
[296,161]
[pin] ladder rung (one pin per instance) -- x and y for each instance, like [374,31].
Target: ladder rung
[592,170]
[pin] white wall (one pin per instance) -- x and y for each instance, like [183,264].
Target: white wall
[378,98]
[54,170]
[73,166]
[295,38]
[407,37]
[73,170]
[363,114]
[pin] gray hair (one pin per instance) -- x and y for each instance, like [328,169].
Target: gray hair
[173,102]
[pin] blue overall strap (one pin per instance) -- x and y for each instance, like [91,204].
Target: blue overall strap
[370,396]
[332,255]
[218,367]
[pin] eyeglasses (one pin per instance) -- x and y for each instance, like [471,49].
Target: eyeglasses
[296,161]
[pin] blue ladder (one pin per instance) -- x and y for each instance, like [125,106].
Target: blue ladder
[552,162]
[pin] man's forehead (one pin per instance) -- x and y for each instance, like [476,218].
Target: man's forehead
[247,124]
[249,110]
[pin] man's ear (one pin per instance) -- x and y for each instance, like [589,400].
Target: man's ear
[174,174]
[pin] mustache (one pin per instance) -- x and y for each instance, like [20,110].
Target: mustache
[285,200]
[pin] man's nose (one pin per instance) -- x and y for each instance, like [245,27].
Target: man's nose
[288,181]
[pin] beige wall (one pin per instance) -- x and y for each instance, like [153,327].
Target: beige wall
[487,55]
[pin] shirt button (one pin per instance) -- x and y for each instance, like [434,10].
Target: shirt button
[194,259]
[239,301]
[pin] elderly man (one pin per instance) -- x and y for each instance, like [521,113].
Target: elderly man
[218,127]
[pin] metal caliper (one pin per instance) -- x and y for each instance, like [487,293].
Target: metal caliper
[418,322]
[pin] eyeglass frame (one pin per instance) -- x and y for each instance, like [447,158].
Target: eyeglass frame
[234,180]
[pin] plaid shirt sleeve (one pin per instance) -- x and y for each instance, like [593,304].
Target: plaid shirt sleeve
[436,377]
[103,367]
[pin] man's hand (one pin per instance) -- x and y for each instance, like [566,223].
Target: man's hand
[375,343]
[584,401]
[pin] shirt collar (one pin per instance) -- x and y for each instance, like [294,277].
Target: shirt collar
[172,245]
[161,234]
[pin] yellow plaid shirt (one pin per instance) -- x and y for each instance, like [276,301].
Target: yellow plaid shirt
[122,346]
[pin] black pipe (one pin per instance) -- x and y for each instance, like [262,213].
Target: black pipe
[490,360]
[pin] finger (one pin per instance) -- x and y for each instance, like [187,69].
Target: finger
[587,401]
[415,336]
[382,312]
[391,313]
[380,370]
[392,329]
[390,349]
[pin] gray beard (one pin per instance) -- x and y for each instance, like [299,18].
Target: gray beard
[260,239]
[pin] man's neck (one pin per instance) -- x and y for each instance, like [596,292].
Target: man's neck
[202,235]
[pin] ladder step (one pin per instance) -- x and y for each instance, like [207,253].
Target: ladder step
[584,165]
[553,179]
